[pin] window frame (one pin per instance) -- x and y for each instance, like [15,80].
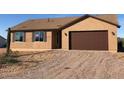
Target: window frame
[14,37]
[39,32]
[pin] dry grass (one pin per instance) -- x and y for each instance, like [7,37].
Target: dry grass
[66,64]
[119,56]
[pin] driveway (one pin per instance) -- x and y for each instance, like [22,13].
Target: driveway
[74,64]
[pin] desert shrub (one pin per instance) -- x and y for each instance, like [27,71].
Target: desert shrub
[122,42]
[8,59]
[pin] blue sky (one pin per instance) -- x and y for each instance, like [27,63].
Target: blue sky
[9,20]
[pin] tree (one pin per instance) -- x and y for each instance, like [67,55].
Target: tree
[8,41]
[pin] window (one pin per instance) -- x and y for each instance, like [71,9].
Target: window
[39,36]
[19,36]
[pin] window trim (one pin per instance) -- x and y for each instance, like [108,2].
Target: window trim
[14,37]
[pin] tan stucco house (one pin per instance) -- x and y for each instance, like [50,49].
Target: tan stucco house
[87,32]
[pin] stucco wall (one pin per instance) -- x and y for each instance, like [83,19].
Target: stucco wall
[90,24]
[29,45]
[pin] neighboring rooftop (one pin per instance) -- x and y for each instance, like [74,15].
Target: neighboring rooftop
[2,37]
[59,23]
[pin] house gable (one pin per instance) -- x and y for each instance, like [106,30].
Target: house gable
[82,18]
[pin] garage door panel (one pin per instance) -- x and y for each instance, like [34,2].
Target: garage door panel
[88,40]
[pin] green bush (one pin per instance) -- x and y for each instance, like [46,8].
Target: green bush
[123,42]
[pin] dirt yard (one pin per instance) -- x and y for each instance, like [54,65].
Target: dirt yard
[2,50]
[59,64]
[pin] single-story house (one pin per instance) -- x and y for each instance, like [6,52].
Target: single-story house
[86,32]
[2,42]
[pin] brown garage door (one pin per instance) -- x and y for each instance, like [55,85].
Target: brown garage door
[88,40]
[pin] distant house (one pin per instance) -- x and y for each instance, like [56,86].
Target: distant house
[87,32]
[2,42]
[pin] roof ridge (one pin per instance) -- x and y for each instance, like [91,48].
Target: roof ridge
[55,18]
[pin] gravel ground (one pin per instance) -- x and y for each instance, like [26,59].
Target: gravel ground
[60,64]
[2,50]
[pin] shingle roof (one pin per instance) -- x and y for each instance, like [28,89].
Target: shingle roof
[57,23]
[109,17]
